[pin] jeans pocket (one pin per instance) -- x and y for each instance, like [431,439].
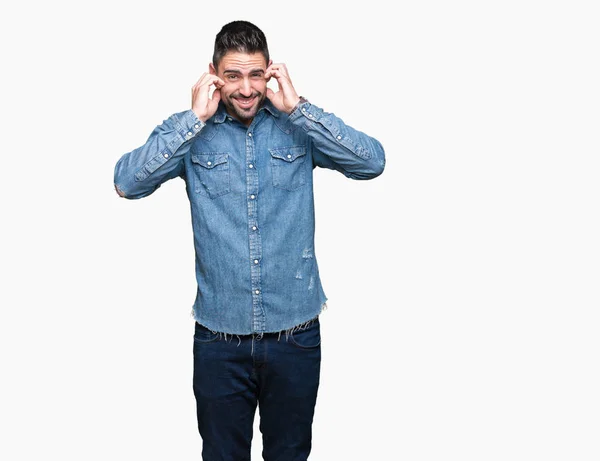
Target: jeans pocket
[204,335]
[288,167]
[307,338]
[211,173]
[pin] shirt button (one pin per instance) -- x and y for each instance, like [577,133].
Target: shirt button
[250,134]
[339,137]
[289,156]
[257,292]
[195,126]
[303,109]
[254,228]
[189,133]
[209,163]
[251,166]
[166,155]
[252,196]
[256,261]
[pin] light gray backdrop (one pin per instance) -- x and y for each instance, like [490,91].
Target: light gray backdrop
[463,283]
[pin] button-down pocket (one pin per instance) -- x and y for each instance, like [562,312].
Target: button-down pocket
[211,172]
[288,166]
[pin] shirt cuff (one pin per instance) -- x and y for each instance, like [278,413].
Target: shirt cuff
[190,124]
[307,110]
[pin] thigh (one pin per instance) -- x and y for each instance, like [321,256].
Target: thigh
[226,395]
[288,394]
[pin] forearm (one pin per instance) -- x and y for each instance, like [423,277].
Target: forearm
[140,172]
[338,145]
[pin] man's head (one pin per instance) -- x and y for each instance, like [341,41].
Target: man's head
[241,36]
[240,59]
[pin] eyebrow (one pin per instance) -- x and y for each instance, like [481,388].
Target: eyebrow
[236,71]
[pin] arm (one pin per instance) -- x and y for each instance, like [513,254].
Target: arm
[335,145]
[338,146]
[141,171]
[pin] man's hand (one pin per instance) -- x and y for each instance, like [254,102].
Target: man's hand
[203,106]
[286,98]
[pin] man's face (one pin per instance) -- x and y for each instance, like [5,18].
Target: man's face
[245,84]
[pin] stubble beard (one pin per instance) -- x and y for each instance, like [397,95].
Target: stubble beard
[242,114]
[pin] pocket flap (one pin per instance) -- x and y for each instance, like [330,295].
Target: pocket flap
[289,154]
[209,160]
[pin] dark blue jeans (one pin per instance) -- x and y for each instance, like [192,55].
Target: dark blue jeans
[234,374]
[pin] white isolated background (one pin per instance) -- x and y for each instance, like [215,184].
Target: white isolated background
[463,283]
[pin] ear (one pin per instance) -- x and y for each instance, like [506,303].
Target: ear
[211,69]
[269,63]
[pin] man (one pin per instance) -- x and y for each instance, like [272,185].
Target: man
[247,154]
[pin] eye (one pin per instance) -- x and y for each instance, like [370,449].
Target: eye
[231,77]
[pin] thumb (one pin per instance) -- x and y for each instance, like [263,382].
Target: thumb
[270,94]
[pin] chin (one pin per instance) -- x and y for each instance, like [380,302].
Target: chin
[250,112]
[244,113]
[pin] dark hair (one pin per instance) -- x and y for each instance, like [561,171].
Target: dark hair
[241,36]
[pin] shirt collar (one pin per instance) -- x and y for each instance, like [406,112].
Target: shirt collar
[269,107]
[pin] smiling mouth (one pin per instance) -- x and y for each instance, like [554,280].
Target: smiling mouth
[246,102]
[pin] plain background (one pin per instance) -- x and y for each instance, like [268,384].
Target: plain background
[463,290]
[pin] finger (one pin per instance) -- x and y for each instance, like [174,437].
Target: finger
[281,80]
[206,79]
[214,80]
[282,68]
[216,96]
[199,80]
[209,81]
[268,72]
[273,73]
[278,74]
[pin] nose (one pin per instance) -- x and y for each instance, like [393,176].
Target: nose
[245,88]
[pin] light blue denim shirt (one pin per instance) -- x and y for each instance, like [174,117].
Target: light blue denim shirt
[251,197]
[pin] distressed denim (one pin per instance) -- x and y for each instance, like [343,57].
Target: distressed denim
[278,373]
[251,196]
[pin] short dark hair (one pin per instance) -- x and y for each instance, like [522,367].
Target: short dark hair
[241,36]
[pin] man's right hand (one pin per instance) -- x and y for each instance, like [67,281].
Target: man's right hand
[202,104]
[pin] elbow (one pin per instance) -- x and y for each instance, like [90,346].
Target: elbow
[119,191]
[368,173]
[373,168]
[377,167]
[126,186]
[120,179]
[376,163]
[121,184]
[133,193]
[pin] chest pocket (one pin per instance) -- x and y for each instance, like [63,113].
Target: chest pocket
[211,173]
[289,167]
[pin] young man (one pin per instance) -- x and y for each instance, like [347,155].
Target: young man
[247,154]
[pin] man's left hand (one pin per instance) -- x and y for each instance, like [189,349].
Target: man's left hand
[286,98]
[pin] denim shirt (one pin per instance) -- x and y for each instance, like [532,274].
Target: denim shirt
[251,197]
